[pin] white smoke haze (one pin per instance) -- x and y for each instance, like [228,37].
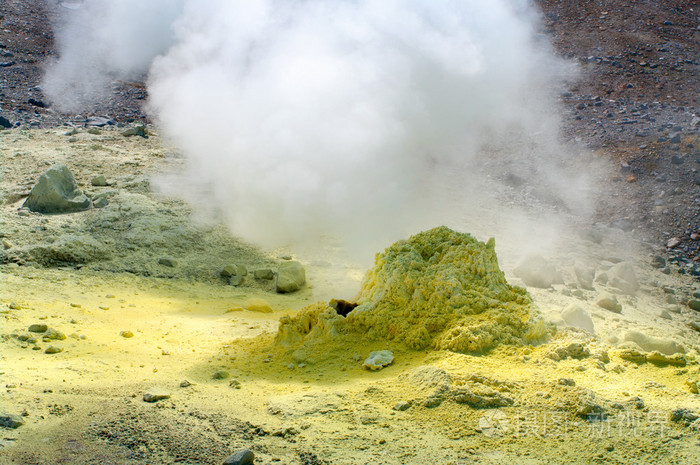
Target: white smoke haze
[104,40]
[360,120]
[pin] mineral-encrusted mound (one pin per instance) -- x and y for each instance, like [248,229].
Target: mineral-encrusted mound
[439,289]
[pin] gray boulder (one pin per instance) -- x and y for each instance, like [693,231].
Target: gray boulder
[623,277]
[536,271]
[584,275]
[56,192]
[578,317]
[290,277]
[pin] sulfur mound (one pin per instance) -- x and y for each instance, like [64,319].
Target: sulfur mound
[439,289]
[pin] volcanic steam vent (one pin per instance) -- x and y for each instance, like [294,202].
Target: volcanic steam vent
[440,289]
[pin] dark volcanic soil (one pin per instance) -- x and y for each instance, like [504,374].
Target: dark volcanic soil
[636,100]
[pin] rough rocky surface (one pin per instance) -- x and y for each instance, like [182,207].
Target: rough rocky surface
[632,103]
[439,289]
[56,192]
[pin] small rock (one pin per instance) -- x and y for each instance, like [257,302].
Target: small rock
[155,394]
[665,315]
[9,420]
[578,317]
[15,306]
[673,243]
[241,457]
[609,302]
[138,130]
[566,382]
[378,360]
[127,334]
[167,261]
[99,121]
[257,305]
[623,277]
[693,386]
[234,270]
[683,415]
[99,181]
[291,276]
[401,406]
[53,350]
[536,271]
[100,202]
[184,383]
[221,374]
[5,123]
[432,402]
[235,384]
[584,276]
[56,192]
[93,131]
[694,304]
[658,262]
[38,328]
[264,273]
[53,335]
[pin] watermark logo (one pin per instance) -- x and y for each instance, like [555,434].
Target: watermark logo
[497,423]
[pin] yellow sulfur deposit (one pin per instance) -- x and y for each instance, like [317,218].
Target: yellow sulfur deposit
[440,289]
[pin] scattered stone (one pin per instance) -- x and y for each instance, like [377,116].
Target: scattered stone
[38,328]
[693,386]
[234,270]
[536,271]
[184,383]
[650,343]
[53,335]
[694,304]
[235,384]
[665,315]
[127,334]
[53,350]
[402,406]
[100,202]
[584,276]
[257,305]
[9,420]
[5,123]
[221,374]
[683,415]
[93,131]
[138,130]
[264,273]
[99,121]
[241,457]
[155,394]
[660,359]
[658,261]
[56,192]
[609,302]
[623,277]
[432,402]
[15,306]
[167,261]
[673,243]
[378,360]
[291,276]
[578,317]
[99,181]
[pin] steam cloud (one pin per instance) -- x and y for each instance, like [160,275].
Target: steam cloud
[362,120]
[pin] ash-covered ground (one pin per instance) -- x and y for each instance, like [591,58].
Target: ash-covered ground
[131,333]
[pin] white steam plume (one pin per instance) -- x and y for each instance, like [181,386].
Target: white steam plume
[105,40]
[361,119]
